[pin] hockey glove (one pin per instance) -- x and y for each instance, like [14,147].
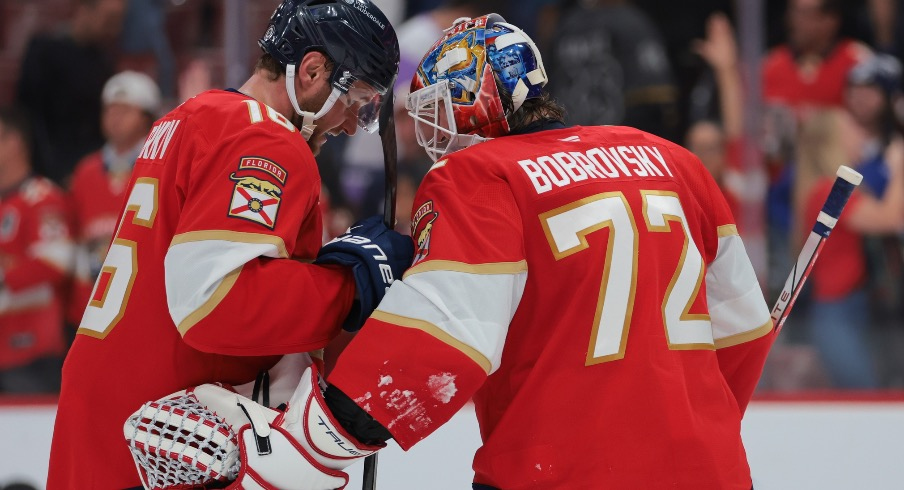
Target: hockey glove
[211,434]
[376,255]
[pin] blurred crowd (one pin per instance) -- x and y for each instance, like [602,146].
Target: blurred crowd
[83,89]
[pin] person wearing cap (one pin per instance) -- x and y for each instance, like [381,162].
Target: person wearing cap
[840,316]
[130,104]
[216,271]
[873,86]
[854,286]
[36,256]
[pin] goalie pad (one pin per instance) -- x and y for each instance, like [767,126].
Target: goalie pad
[211,434]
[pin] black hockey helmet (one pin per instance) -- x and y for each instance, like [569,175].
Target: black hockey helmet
[355,34]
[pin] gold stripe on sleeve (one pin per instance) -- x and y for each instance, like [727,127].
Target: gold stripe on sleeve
[727,230]
[453,266]
[232,236]
[202,311]
[745,336]
[436,332]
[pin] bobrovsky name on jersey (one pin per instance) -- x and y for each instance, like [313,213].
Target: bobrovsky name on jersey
[564,168]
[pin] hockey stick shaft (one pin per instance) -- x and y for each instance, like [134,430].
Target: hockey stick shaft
[370,472]
[845,182]
[390,157]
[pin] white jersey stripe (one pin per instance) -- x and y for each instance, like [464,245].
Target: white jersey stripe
[195,272]
[736,304]
[474,309]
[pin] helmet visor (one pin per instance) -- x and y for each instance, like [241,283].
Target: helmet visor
[365,101]
[361,99]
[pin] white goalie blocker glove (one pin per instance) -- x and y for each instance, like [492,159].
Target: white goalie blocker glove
[211,434]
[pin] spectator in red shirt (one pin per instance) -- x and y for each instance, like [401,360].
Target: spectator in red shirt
[811,68]
[809,71]
[839,320]
[131,101]
[36,255]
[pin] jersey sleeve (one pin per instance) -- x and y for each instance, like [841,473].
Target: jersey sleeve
[441,329]
[234,285]
[742,327]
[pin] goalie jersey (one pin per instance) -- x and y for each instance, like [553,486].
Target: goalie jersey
[207,278]
[588,288]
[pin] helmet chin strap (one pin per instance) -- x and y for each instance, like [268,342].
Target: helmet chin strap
[308,118]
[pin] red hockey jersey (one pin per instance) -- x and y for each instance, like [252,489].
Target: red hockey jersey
[205,280]
[97,196]
[36,256]
[587,286]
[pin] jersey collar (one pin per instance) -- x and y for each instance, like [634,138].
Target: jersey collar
[541,125]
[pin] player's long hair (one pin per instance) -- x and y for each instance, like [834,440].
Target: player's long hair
[535,109]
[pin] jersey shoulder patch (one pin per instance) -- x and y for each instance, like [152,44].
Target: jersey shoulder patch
[421,228]
[258,190]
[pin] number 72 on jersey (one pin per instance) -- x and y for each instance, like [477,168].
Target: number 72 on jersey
[567,228]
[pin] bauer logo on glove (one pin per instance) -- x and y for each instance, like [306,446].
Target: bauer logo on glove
[377,255]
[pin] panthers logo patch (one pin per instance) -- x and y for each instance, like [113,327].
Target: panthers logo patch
[421,228]
[253,198]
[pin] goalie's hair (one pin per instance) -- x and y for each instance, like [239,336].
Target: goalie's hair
[534,109]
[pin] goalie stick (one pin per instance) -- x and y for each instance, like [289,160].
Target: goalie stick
[845,181]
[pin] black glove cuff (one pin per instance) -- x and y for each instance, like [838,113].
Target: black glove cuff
[354,419]
[355,319]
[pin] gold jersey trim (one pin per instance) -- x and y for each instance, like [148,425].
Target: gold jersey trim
[744,337]
[202,311]
[232,236]
[438,333]
[727,230]
[451,265]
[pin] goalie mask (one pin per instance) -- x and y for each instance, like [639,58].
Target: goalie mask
[356,37]
[454,98]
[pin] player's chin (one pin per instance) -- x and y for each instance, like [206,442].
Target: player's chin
[315,143]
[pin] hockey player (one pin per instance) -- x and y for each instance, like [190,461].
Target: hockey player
[209,276]
[586,286]
[36,258]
